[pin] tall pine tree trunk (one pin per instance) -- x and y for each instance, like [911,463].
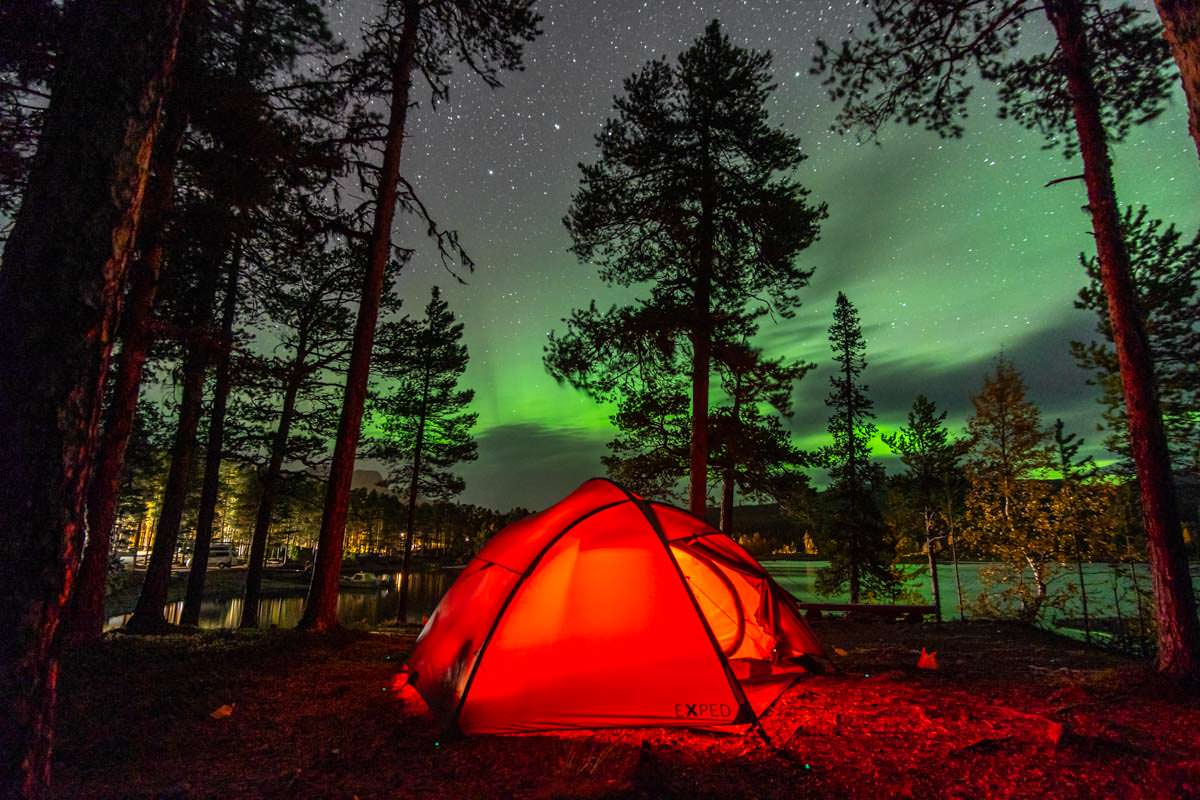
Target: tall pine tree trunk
[147,615]
[934,583]
[1083,597]
[211,481]
[320,610]
[702,351]
[85,615]
[216,443]
[698,458]
[63,273]
[728,495]
[1175,606]
[413,490]
[962,606]
[852,476]
[266,501]
[728,475]
[1181,27]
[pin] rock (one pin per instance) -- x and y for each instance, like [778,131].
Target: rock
[222,712]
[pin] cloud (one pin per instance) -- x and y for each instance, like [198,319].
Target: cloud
[531,464]
[1056,385]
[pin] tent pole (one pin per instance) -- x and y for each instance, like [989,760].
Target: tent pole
[744,708]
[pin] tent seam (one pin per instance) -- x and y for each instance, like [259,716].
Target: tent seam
[734,685]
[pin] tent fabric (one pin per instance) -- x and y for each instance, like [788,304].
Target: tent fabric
[606,610]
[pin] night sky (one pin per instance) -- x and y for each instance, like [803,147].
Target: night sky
[951,249]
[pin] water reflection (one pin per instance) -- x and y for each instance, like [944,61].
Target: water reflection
[372,604]
[357,605]
[1103,588]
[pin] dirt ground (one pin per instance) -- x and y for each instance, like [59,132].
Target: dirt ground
[1011,712]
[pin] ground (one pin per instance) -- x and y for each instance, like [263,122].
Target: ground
[1012,711]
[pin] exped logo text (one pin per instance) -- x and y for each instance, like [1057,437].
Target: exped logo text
[703,710]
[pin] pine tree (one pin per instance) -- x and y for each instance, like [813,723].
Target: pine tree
[286,409]
[273,97]
[1181,29]
[1107,71]
[424,427]
[1166,272]
[253,112]
[85,617]
[409,37]
[931,455]
[650,452]
[857,544]
[1072,507]
[1008,500]
[64,269]
[29,41]
[691,195]
[752,452]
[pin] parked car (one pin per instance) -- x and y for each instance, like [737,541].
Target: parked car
[129,559]
[220,555]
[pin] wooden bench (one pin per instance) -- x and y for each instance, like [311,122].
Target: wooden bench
[908,613]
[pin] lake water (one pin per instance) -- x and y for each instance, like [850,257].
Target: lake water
[370,606]
[356,605]
[800,578]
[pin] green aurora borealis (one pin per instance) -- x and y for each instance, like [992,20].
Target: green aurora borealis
[951,249]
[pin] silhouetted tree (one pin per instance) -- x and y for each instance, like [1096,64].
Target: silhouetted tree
[1166,272]
[251,129]
[63,273]
[1073,470]
[85,617]
[1181,28]
[1107,71]
[267,124]
[752,452]
[931,454]
[29,41]
[691,195]
[1008,501]
[650,453]
[857,541]
[424,427]
[287,410]
[427,37]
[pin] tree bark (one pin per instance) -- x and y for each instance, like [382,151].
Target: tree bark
[1175,606]
[147,615]
[216,443]
[852,472]
[85,615]
[266,502]
[962,609]
[320,610]
[1083,598]
[702,350]
[698,471]
[1181,28]
[729,476]
[934,583]
[728,496]
[64,268]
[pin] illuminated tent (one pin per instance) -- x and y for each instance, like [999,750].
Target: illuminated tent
[607,610]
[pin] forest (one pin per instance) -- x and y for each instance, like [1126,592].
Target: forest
[235,437]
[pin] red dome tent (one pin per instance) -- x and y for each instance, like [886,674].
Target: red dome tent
[607,610]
